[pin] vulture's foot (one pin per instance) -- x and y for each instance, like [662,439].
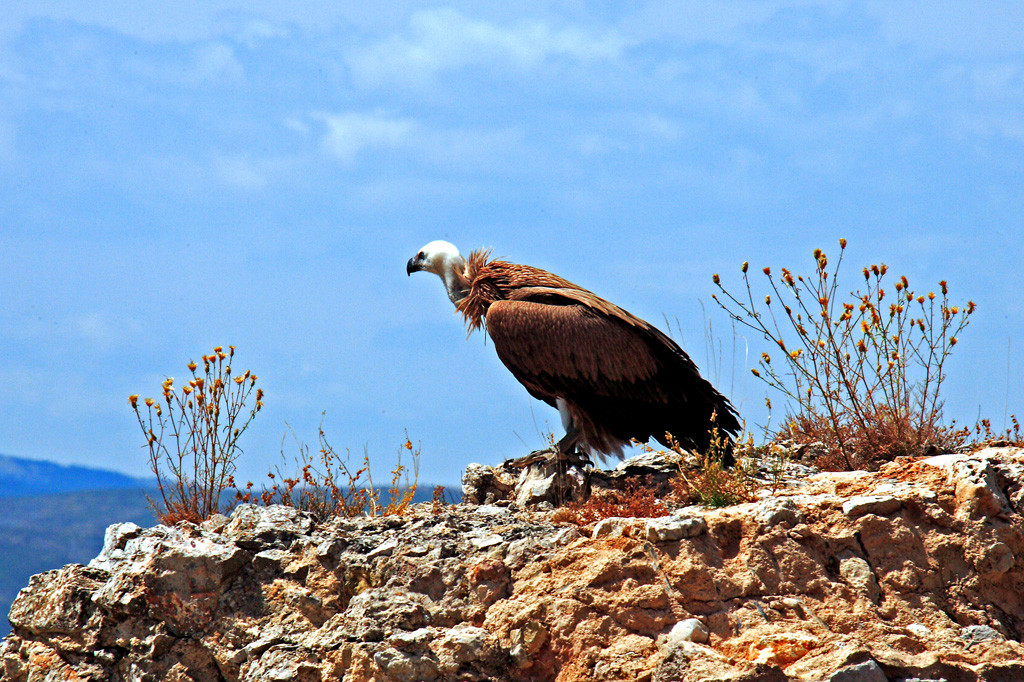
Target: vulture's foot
[552,454]
[533,458]
[574,458]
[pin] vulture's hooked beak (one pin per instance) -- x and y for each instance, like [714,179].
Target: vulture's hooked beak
[412,267]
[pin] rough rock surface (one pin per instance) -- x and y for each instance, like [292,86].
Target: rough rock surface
[915,571]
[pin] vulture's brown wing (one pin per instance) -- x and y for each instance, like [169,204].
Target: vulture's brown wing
[627,376]
[572,350]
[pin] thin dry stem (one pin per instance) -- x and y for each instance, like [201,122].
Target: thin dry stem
[327,485]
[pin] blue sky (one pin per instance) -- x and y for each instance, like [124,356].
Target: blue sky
[174,178]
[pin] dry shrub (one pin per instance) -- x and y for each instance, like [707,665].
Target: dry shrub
[439,500]
[985,437]
[772,454]
[636,500]
[710,482]
[717,477]
[327,485]
[889,437]
[399,497]
[712,485]
[193,447]
[864,375]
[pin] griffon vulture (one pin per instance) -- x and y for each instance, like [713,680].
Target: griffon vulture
[612,376]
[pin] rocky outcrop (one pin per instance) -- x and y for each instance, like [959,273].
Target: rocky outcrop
[915,571]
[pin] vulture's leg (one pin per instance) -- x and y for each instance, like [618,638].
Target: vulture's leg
[565,450]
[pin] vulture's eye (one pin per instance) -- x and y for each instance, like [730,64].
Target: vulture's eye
[420,255]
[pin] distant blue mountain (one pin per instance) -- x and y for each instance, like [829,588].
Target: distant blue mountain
[20,477]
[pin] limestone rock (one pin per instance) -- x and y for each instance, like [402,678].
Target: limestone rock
[774,511]
[550,482]
[114,540]
[58,602]
[869,671]
[526,642]
[689,630]
[613,526]
[976,481]
[909,572]
[858,575]
[670,528]
[254,527]
[881,505]
[485,485]
[981,633]
[545,484]
[466,646]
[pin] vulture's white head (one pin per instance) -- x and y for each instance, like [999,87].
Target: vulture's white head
[445,261]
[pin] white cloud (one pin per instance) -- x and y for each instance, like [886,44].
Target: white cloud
[260,31]
[691,22]
[296,124]
[987,124]
[210,63]
[349,133]
[659,127]
[251,173]
[629,132]
[932,25]
[240,173]
[458,149]
[475,149]
[215,62]
[185,22]
[103,330]
[993,27]
[1002,80]
[439,39]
